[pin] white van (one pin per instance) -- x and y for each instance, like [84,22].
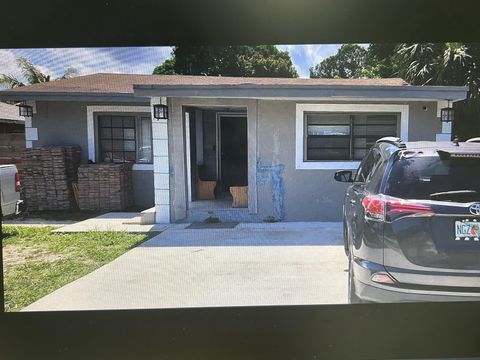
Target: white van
[10,189]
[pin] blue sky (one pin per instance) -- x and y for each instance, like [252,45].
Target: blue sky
[140,60]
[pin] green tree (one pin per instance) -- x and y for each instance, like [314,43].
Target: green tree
[167,68]
[31,74]
[246,61]
[447,64]
[418,62]
[380,61]
[438,63]
[428,63]
[348,62]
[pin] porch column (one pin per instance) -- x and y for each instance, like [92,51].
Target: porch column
[161,168]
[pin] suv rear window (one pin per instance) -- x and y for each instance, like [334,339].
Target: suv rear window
[418,177]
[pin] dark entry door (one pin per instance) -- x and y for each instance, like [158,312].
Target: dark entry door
[233,151]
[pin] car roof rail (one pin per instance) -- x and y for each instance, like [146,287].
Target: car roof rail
[474,140]
[392,140]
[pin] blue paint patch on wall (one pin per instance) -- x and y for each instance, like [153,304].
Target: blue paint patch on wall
[274,174]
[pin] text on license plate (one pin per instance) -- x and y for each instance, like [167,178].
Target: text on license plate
[467,229]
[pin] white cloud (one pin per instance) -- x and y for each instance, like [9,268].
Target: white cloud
[116,60]
[308,55]
[55,61]
[8,63]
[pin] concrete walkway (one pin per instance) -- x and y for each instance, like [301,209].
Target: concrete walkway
[113,221]
[252,264]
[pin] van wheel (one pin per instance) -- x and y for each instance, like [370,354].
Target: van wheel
[352,297]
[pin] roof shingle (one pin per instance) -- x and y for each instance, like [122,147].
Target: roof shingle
[106,83]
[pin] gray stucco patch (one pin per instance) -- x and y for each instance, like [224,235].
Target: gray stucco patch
[274,175]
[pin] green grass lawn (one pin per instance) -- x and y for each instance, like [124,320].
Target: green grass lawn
[37,261]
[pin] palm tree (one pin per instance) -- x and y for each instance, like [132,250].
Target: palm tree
[449,63]
[32,74]
[417,62]
[454,64]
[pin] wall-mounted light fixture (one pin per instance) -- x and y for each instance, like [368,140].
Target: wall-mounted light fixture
[160,111]
[25,110]
[447,114]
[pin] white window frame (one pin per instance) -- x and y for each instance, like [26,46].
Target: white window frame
[301,109]
[105,109]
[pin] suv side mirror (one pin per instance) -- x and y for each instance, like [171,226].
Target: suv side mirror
[344,176]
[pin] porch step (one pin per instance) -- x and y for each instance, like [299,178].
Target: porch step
[233,215]
[147,217]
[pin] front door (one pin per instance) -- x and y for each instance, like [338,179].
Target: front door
[233,151]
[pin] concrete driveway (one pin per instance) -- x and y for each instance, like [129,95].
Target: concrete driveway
[251,264]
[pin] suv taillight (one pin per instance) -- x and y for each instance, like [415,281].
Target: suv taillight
[374,207]
[380,208]
[17,182]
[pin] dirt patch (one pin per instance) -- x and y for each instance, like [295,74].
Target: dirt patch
[17,255]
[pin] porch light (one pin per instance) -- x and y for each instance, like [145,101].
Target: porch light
[160,111]
[447,114]
[25,110]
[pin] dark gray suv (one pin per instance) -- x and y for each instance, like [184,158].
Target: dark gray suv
[412,222]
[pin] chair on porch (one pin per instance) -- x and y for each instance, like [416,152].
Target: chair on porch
[205,188]
[240,196]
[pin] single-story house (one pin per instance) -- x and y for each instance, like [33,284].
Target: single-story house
[12,134]
[278,140]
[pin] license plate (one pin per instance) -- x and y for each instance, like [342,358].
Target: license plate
[465,230]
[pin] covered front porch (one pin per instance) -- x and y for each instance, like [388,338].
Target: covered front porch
[206,150]
[216,153]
